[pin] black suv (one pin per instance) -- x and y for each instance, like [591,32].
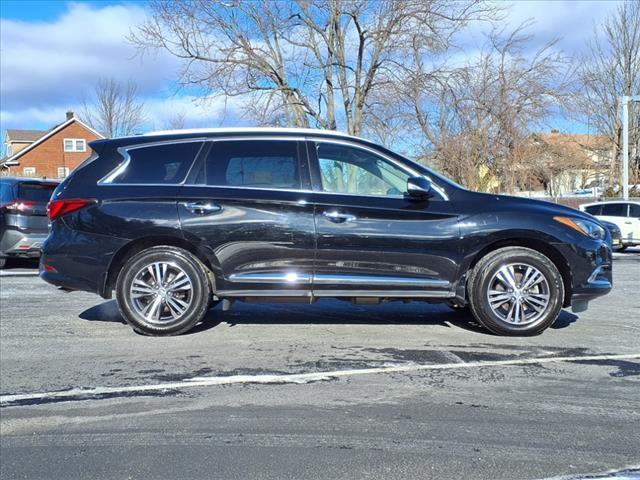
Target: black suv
[23,216]
[177,221]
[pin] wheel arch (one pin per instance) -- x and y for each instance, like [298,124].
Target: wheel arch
[140,244]
[540,246]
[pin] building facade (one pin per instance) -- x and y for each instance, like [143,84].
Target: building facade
[47,154]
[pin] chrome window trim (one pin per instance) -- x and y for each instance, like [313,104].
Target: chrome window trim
[123,151]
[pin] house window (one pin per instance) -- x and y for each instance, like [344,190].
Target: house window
[75,145]
[63,172]
[29,171]
[9,151]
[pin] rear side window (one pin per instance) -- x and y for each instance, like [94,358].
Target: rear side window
[158,164]
[594,209]
[614,210]
[634,210]
[34,192]
[253,163]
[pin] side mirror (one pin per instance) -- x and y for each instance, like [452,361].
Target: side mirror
[418,188]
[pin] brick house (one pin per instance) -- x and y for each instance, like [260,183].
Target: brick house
[47,153]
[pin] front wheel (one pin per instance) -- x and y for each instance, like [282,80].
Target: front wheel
[163,291]
[516,291]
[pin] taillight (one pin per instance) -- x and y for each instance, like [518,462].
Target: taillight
[58,208]
[18,206]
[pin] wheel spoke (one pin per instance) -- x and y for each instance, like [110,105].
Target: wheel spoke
[175,308]
[538,299]
[506,277]
[498,298]
[180,284]
[535,279]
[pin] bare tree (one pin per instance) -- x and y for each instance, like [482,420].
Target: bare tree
[476,118]
[302,62]
[612,69]
[176,121]
[114,109]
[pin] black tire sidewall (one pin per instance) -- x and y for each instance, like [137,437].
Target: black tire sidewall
[480,304]
[191,266]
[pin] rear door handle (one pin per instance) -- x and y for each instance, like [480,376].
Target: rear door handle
[202,208]
[337,217]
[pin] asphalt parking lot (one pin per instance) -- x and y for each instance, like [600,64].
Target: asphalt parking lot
[329,390]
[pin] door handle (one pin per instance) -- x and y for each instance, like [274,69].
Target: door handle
[337,217]
[202,208]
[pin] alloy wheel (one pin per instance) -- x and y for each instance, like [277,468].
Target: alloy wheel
[518,294]
[161,292]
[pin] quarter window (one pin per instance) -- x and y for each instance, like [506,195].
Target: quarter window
[158,164]
[614,210]
[253,163]
[350,170]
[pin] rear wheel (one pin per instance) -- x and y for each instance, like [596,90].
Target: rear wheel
[163,291]
[516,291]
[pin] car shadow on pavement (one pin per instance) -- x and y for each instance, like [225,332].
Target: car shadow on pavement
[104,312]
[326,312]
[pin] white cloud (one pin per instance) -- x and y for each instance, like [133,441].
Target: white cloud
[46,67]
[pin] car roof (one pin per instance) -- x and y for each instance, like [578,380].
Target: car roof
[606,202]
[14,180]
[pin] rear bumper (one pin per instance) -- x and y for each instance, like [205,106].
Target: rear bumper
[75,260]
[15,243]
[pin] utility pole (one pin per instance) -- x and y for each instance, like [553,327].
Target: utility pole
[626,100]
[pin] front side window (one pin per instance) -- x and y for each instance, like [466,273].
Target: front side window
[614,210]
[253,163]
[350,170]
[158,164]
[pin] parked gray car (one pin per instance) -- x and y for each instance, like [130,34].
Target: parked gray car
[23,216]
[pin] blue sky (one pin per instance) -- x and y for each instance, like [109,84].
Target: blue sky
[52,53]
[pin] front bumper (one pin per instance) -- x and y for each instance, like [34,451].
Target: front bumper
[590,263]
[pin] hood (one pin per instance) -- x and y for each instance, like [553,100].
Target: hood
[530,204]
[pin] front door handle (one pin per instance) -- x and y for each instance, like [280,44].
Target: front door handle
[337,217]
[202,208]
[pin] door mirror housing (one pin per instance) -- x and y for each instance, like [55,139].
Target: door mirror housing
[418,188]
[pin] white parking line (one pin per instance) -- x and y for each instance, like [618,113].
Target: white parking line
[9,273]
[299,378]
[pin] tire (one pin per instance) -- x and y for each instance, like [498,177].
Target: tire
[174,305]
[516,311]
[621,248]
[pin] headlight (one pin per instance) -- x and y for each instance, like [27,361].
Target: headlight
[585,227]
